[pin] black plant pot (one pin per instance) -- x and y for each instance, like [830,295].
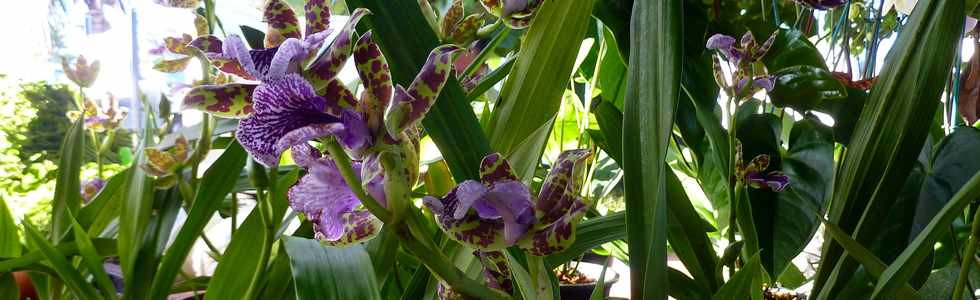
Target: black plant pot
[583,291]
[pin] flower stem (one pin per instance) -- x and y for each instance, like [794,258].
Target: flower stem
[353,180]
[971,250]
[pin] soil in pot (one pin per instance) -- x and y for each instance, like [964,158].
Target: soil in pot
[578,283]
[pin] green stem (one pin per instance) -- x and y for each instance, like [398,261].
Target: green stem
[485,53]
[971,250]
[98,152]
[353,180]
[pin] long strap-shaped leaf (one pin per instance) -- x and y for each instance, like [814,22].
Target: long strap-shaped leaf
[651,96]
[67,199]
[217,183]
[899,272]
[65,270]
[532,94]
[872,263]
[890,132]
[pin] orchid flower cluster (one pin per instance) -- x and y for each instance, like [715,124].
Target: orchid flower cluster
[299,100]
[754,173]
[743,57]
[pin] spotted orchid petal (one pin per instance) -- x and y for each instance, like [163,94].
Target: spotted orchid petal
[305,155]
[495,168]
[266,64]
[451,18]
[350,131]
[91,188]
[158,163]
[178,3]
[562,186]
[759,83]
[172,65]
[465,30]
[410,105]
[83,74]
[341,97]
[317,16]
[720,41]
[229,65]
[177,45]
[775,180]
[557,236]
[496,273]
[207,44]
[232,100]
[470,230]
[501,213]
[201,25]
[327,201]
[515,13]
[376,77]
[326,66]
[280,106]
[282,23]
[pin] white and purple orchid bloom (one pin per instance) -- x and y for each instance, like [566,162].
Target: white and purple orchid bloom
[499,210]
[91,187]
[324,197]
[754,173]
[765,82]
[748,50]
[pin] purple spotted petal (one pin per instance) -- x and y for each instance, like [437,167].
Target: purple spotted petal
[496,273]
[327,201]
[282,22]
[557,236]
[563,184]
[317,16]
[305,155]
[338,97]
[326,67]
[92,187]
[764,82]
[374,178]
[720,41]
[266,64]
[207,44]
[232,100]
[468,193]
[304,134]
[748,40]
[373,70]
[511,201]
[410,105]
[486,235]
[280,106]
[775,180]
[494,167]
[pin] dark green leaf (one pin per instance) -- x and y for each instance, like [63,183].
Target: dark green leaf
[590,234]
[321,272]
[8,287]
[216,183]
[93,261]
[688,237]
[845,112]
[746,283]
[615,15]
[652,92]
[683,287]
[254,37]
[104,247]
[805,87]
[792,48]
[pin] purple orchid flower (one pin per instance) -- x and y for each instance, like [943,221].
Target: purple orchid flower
[91,188]
[823,4]
[747,51]
[327,201]
[504,213]
[766,82]
[753,174]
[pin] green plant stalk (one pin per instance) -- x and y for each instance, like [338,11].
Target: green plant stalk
[485,53]
[971,250]
[266,212]
[431,257]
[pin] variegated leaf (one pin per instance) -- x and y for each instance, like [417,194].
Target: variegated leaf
[410,105]
[317,16]
[228,101]
[327,65]
[282,23]
[173,65]
[376,77]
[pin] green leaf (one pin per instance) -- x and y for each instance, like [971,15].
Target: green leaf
[406,39]
[8,287]
[683,287]
[952,165]
[522,278]
[240,263]
[615,15]
[805,87]
[598,293]
[792,48]
[845,112]
[321,272]
[95,215]
[746,283]
[610,121]
[93,261]
[687,235]
[67,273]
[67,198]
[104,247]
[532,95]
[254,37]
[590,234]
[134,217]
[652,91]
[879,157]
[900,271]
[216,183]
[611,77]
[871,263]
[9,240]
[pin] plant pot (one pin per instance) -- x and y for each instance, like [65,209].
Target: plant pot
[582,291]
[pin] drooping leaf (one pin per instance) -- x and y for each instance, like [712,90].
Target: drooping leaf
[93,261]
[880,157]
[652,91]
[67,273]
[321,272]
[745,283]
[805,87]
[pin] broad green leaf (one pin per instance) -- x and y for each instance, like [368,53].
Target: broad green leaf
[93,261]
[406,39]
[746,283]
[8,287]
[134,218]
[67,273]
[322,272]
[684,288]
[523,280]
[610,121]
[254,37]
[532,95]
[216,183]
[67,198]
[279,279]
[687,235]
[615,14]
[880,157]
[9,240]
[104,247]
[652,91]
[96,214]
[951,166]
[611,76]
[871,263]
[805,87]
[240,263]
[590,234]
[792,48]
[900,271]
[845,112]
